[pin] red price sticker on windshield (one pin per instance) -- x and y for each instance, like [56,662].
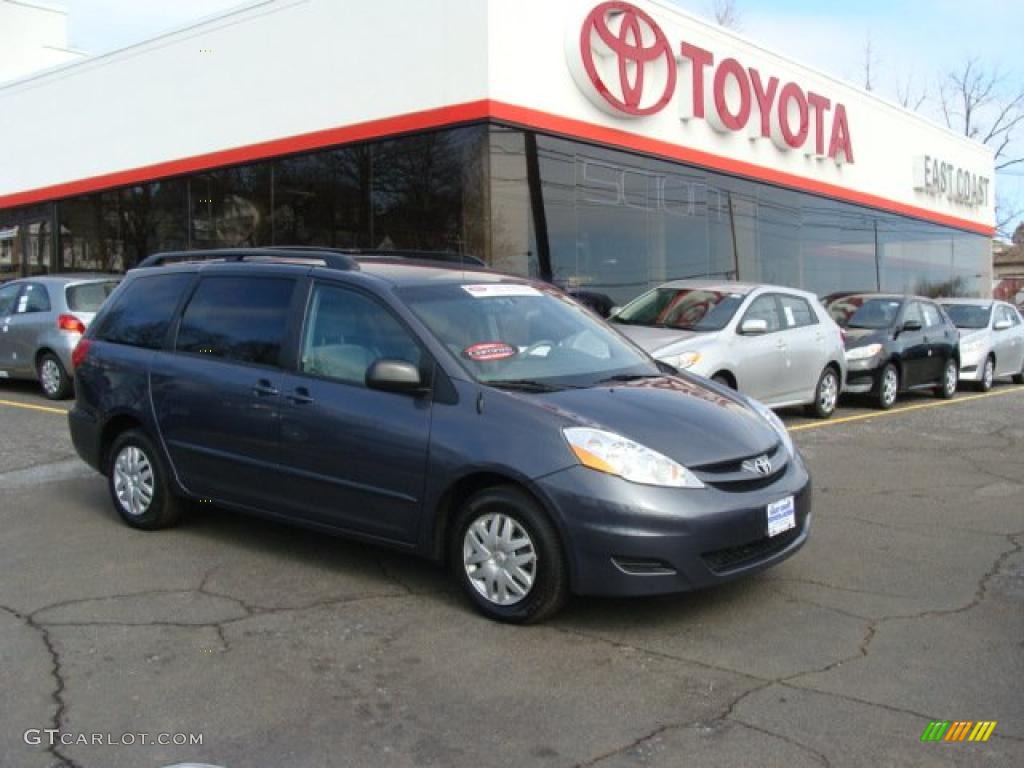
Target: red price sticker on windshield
[489,351]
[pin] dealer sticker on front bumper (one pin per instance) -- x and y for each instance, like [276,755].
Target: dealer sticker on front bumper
[781,516]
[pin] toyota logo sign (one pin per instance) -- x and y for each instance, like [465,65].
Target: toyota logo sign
[628,64]
[762,465]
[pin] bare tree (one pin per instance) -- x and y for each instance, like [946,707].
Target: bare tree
[871,62]
[1007,216]
[982,104]
[726,14]
[911,95]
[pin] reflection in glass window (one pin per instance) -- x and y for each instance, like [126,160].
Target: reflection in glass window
[231,207]
[142,313]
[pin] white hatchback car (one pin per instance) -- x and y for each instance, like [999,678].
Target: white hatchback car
[777,345]
[991,340]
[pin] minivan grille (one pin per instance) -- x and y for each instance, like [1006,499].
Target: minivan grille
[731,476]
[730,558]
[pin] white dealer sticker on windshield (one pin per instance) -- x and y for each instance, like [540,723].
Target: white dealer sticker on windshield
[495,290]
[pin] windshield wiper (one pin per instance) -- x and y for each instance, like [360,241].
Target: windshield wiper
[620,377]
[525,385]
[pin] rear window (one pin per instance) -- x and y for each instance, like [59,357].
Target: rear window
[89,297]
[142,312]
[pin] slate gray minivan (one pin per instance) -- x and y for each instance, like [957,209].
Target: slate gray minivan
[471,417]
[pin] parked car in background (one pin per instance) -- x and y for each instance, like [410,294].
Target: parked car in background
[777,345]
[895,344]
[991,340]
[41,320]
[481,420]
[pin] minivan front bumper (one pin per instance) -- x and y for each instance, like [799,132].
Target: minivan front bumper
[625,539]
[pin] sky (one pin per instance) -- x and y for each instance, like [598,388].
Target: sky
[915,40]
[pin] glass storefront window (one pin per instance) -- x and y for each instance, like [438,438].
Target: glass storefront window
[231,207]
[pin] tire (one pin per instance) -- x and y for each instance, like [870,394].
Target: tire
[826,395]
[1018,378]
[950,377]
[988,374]
[543,581]
[53,377]
[888,387]
[722,381]
[135,471]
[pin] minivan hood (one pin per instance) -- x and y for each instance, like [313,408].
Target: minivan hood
[694,424]
[653,339]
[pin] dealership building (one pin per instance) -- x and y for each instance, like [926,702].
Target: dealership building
[603,146]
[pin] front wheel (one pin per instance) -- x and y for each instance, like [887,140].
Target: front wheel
[507,556]
[53,377]
[826,395]
[888,387]
[950,375]
[988,375]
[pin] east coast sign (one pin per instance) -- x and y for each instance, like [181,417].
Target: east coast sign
[628,66]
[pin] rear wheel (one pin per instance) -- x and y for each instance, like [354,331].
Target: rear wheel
[138,483]
[508,558]
[53,378]
[1018,378]
[826,395]
[988,374]
[950,375]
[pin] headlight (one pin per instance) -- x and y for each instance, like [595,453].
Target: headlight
[863,353]
[685,360]
[776,423]
[617,455]
[972,348]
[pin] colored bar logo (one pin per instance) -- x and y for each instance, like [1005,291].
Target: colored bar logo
[958,730]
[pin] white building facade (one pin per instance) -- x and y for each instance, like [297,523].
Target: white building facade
[603,146]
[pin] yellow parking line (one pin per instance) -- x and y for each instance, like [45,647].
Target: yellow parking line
[29,407]
[895,411]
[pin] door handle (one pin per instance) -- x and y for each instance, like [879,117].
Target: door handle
[301,396]
[264,388]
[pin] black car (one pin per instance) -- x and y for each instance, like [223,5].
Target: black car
[895,344]
[475,418]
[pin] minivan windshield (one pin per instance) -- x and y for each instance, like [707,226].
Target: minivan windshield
[525,337]
[865,312]
[686,309]
[968,315]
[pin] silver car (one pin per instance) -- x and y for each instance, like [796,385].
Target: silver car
[777,345]
[991,340]
[41,320]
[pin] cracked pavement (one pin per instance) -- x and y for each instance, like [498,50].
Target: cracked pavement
[284,647]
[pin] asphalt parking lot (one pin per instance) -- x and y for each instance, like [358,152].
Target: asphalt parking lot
[285,648]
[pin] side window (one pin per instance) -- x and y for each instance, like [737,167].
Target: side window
[34,299]
[913,313]
[8,298]
[141,313]
[932,318]
[243,319]
[765,308]
[1005,313]
[346,332]
[797,312]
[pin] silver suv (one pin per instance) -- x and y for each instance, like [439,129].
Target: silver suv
[775,344]
[41,320]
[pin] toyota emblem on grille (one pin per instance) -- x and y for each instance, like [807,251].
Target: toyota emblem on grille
[762,465]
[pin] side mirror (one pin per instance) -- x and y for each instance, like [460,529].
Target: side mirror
[1002,325]
[613,312]
[754,326]
[395,376]
[911,325]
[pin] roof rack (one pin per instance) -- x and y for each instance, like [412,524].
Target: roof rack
[449,257]
[331,257]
